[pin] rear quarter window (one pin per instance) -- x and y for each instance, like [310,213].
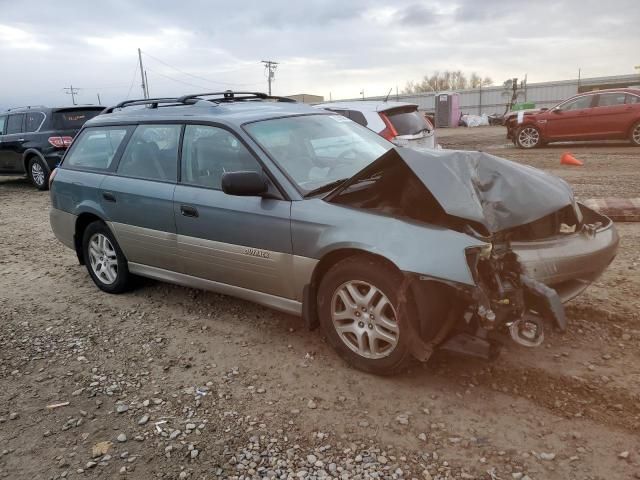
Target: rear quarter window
[95,148]
[33,121]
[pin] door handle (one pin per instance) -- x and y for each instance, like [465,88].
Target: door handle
[188,211]
[21,139]
[108,196]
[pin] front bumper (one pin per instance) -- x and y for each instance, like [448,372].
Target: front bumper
[570,263]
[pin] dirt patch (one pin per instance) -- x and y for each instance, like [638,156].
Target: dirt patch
[189,384]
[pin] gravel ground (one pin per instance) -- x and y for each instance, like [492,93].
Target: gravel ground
[169,382]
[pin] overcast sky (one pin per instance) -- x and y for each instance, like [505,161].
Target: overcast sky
[337,46]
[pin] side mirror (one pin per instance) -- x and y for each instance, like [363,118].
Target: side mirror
[244,184]
[557,110]
[544,109]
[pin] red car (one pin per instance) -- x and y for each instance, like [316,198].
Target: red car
[601,115]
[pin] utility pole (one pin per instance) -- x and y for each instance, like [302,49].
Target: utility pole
[362,93]
[72,91]
[270,67]
[99,102]
[579,75]
[144,83]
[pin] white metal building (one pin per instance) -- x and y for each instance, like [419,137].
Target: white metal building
[492,99]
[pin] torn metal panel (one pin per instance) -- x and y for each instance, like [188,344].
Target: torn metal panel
[493,192]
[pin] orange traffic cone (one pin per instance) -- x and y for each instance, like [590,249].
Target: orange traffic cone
[568,159]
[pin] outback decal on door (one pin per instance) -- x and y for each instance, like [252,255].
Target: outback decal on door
[254,252]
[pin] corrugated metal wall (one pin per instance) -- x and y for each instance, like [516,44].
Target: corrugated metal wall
[492,99]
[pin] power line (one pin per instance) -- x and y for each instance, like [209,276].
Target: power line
[177,80]
[197,77]
[270,67]
[133,79]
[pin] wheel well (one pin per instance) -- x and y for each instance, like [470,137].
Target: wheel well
[82,222]
[336,256]
[26,160]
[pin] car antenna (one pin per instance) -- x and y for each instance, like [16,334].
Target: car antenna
[387,97]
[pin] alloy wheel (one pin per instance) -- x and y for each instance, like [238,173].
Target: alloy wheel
[636,134]
[365,319]
[37,173]
[529,137]
[103,259]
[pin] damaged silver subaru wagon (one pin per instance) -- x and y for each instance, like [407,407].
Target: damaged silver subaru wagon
[393,252]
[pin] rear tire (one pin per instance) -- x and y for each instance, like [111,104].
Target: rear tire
[104,259]
[357,308]
[635,134]
[38,173]
[528,137]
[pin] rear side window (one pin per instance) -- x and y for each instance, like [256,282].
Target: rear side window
[33,121]
[95,148]
[3,123]
[73,119]
[407,122]
[209,152]
[611,99]
[630,99]
[14,124]
[152,153]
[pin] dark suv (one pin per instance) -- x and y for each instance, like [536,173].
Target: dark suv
[34,139]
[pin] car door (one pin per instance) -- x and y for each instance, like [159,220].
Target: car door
[11,147]
[3,126]
[138,198]
[240,241]
[571,120]
[611,117]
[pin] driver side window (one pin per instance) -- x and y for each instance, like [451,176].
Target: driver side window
[209,152]
[578,103]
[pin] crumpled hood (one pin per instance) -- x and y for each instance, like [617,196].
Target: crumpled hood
[498,193]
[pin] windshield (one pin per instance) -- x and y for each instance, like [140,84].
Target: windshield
[316,150]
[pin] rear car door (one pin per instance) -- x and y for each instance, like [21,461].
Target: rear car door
[611,117]
[571,120]
[239,241]
[12,146]
[138,198]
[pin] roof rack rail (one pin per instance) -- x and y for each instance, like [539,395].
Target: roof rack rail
[152,102]
[231,96]
[25,106]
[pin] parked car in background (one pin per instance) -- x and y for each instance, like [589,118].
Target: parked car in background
[34,139]
[299,209]
[400,123]
[600,115]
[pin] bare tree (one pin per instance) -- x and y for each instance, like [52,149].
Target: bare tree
[513,91]
[447,80]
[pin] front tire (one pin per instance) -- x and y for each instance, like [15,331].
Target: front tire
[528,137]
[359,314]
[635,135]
[38,173]
[104,259]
